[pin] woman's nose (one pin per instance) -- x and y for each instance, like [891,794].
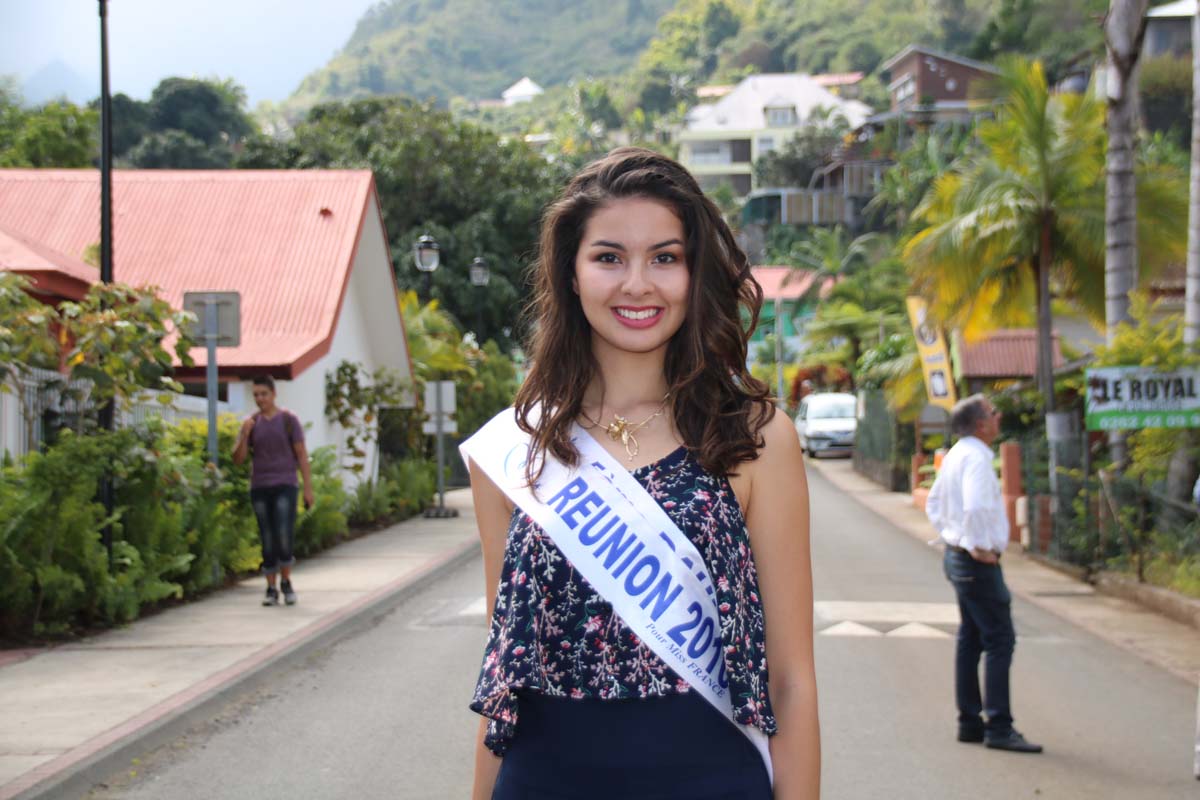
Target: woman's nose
[636,282]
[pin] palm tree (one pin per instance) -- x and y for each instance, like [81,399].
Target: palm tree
[434,341]
[1124,28]
[1025,211]
[905,183]
[827,254]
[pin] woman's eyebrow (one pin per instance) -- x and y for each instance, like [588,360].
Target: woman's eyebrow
[606,243]
[667,243]
[619,246]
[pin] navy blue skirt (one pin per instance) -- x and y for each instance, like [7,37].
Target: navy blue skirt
[659,748]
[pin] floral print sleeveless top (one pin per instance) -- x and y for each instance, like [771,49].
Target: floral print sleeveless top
[552,633]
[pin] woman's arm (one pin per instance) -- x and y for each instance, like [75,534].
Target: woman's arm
[492,513]
[777,518]
[242,447]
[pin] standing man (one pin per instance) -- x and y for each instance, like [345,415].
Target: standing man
[274,439]
[966,507]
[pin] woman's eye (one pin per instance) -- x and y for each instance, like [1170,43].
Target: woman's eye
[666,258]
[608,258]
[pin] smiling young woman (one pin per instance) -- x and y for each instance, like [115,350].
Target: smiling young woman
[638,358]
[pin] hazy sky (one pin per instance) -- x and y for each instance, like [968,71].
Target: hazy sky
[268,46]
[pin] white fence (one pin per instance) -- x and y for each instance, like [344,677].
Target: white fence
[20,433]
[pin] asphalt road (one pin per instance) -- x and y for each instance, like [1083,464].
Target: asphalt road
[382,713]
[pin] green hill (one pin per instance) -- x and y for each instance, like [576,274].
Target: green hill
[477,48]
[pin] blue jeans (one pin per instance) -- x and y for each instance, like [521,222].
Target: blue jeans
[985,606]
[275,508]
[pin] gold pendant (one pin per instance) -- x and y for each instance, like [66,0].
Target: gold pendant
[619,431]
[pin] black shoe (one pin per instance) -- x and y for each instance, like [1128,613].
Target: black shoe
[1013,742]
[289,596]
[970,735]
[272,598]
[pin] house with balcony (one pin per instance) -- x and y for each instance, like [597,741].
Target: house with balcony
[932,86]
[720,141]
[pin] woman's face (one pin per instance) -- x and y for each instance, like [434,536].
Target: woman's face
[631,274]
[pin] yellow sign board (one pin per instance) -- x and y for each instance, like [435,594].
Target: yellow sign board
[935,356]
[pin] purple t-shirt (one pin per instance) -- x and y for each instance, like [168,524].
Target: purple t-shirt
[272,458]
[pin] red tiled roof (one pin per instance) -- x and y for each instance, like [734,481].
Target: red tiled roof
[284,239]
[54,274]
[1005,353]
[838,78]
[786,283]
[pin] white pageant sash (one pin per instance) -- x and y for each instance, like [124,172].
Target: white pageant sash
[627,547]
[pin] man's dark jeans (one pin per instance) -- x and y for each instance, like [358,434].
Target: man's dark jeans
[986,609]
[275,507]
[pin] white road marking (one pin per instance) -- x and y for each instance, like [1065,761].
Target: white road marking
[476,608]
[917,630]
[849,628]
[895,612]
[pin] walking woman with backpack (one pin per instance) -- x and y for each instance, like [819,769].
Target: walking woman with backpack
[274,439]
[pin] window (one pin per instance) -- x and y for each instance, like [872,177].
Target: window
[781,116]
[765,144]
[713,151]
[906,87]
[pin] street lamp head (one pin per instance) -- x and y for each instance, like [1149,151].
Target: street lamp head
[480,275]
[426,254]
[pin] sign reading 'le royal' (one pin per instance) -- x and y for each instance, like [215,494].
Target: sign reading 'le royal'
[1128,398]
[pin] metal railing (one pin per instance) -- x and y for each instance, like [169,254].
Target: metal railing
[1098,519]
[44,401]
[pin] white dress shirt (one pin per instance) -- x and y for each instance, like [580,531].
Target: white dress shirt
[965,503]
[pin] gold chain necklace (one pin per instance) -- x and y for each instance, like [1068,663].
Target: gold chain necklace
[622,430]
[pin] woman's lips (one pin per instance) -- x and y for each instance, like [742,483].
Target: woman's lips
[649,316]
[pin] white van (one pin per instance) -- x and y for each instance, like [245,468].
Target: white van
[826,423]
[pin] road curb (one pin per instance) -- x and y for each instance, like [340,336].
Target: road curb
[73,773]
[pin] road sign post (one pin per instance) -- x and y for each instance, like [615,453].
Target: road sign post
[439,402]
[219,314]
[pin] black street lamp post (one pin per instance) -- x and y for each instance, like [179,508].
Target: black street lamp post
[427,255]
[106,256]
[480,275]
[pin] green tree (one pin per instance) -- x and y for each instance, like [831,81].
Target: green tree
[489,392]
[174,149]
[1026,212]
[130,121]
[57,134]
[210,111]
[905,183]
[808,150]
[434,341]
[827,253]
[118,339]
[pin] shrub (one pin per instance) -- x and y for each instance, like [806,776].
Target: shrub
[324,523]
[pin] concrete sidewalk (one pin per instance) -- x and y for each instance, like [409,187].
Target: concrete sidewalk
[1154,638]
[79,708]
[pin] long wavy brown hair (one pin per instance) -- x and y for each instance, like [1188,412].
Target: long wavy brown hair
[719,409]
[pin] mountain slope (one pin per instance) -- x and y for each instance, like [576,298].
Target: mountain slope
[477,48]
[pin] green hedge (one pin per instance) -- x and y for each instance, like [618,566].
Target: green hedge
[179,527]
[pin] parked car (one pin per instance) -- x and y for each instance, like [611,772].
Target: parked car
[826,423]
